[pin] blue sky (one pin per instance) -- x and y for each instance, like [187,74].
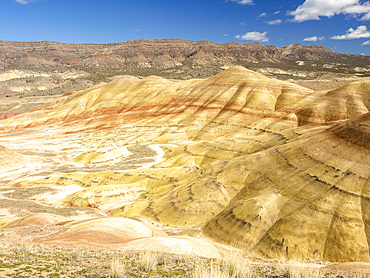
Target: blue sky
[341,25]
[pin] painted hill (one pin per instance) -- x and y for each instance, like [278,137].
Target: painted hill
[10,160]
[280,169]
[320,180]
[231,93]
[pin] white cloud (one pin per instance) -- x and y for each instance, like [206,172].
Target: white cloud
[253,36]
[277,12]
[313,39]
[25,2]
[274,22]
[225,35]
[313,9]
[242,23]
[262,15]
[366,43]
[366,17]
[243,2]
[351,34]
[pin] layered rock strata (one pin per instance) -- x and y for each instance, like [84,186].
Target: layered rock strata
[280,169]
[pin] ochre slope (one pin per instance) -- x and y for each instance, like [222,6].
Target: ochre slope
[236,101]
[182,108]
[103,231]
[38,219]
[10,160]
[307,199]
[185,245]
[278,168]
[346,102]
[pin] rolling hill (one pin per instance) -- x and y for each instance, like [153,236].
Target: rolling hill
[272,167]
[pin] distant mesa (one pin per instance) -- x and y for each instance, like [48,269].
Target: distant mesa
[103,60]
[34,60]
[156,55]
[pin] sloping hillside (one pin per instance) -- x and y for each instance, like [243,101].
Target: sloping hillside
[281,170]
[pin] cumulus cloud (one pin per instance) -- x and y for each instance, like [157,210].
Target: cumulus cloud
[253,36]
[313,39]
[243,2]
[366,43]
[274,22]
[313,9]
[351,34]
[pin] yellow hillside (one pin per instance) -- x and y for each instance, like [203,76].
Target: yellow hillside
[281,170]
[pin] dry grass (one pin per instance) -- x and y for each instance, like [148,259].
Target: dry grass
[238,266]
[19,250]
[296,269]
[209,271]
[148,261]
[118,269]
[29,260]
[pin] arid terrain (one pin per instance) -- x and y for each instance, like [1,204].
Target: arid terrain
[55,66]
[240,172]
